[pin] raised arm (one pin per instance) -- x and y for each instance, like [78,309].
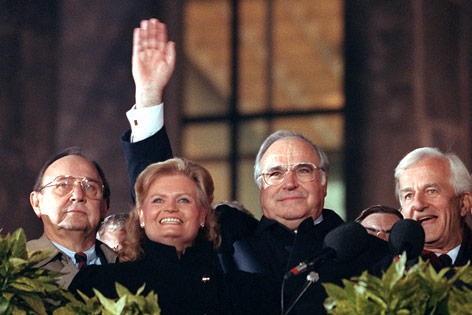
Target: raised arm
[153,63]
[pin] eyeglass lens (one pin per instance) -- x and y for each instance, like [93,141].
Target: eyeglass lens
[304,172]
[64,185]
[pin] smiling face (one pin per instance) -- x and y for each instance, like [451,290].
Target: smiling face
[171,211]
[292,201]
[73,212]
[427,196]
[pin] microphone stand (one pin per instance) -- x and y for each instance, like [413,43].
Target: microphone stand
[311,278]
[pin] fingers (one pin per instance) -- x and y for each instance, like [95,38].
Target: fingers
[161,34]
[136,41]
[170,54]
[151,34]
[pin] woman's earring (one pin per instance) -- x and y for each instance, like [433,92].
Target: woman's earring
[141,225]
[202,224]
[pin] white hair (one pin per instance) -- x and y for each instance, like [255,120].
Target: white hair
[281,134]
[460,178]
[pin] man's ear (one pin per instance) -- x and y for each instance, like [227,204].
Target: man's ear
[325,187]
[466,203]
[35,198]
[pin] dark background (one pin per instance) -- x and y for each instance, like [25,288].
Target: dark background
[65,80]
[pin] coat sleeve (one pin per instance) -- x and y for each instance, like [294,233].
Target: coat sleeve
[140,154]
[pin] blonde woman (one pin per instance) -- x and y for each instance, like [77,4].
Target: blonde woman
[170,246]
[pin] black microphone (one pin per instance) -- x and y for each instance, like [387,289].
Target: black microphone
[342,243]
[407,236]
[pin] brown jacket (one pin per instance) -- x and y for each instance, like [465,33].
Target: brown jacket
[59,261]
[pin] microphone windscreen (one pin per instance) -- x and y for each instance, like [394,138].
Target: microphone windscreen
[348,240]
[407,235]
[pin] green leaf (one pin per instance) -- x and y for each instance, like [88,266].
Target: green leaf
[109,304]
[18,244]
[121,290]
[4,305]
[418,290]
[35,302]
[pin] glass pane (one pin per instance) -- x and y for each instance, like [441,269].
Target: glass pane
[327,131]
[253,55]
[206,141]
[248,192]
[220,173]
[336,196]
[207,51]
[252,134]
[308,64]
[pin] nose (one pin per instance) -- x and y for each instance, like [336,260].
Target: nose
[418,203]
[290,181]
[77,193]
[172,206]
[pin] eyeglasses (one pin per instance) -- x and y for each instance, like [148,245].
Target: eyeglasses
[64,185]
[305,172]
[377,232]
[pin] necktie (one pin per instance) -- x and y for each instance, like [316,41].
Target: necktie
[81,259]
[438,263]
[446,260]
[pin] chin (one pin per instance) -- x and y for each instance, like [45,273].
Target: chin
[75,226]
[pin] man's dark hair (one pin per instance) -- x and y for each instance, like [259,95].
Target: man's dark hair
[377,209]
[73,151]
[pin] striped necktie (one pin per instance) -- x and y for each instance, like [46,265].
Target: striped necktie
[81,259]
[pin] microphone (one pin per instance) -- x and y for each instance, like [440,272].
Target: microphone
[342,243]
[407,235]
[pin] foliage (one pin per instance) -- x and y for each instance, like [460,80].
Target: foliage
[418,290]
[126,304]
[26,290]
[23,288]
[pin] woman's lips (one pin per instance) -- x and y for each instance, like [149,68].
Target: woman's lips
[170,221]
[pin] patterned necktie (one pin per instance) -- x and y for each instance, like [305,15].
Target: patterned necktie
[81,259]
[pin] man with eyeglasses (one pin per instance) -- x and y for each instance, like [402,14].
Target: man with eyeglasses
[378,220]
[292,174]
[71,196]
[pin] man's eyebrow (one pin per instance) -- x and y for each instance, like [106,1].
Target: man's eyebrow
[274,167]
[427,185]
[430,185]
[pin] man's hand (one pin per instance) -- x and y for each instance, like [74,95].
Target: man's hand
[153,62]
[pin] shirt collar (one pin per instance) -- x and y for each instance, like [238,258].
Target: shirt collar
[92,257]
[452,253]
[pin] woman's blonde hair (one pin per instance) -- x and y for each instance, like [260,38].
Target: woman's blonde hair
[132,248]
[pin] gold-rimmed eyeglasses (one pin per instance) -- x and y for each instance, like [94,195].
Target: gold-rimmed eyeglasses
[305,172]
[64,184]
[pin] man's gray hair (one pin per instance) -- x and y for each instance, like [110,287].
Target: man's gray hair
[460,178]
[281,134]
[114,222]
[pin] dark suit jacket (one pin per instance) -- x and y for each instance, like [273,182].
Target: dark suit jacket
[465,252]
[140,154]
[266,247]
[193,284]
[277,249]
[59,261]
